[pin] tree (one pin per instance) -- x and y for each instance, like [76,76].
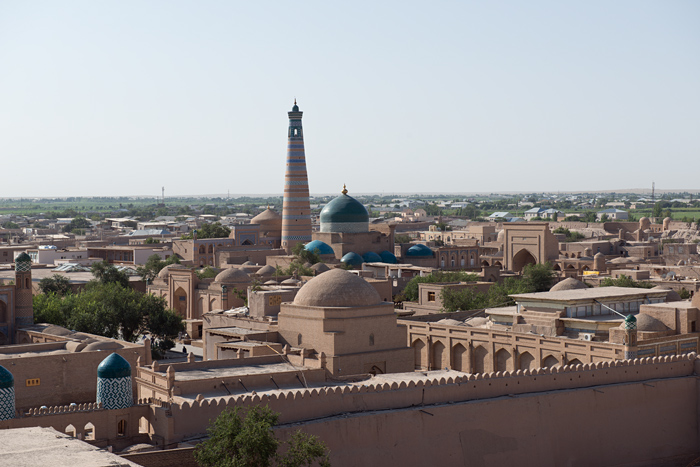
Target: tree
[110,310]
[151,240]
[411,289]
[538,277]
[250,442]
[153,265]
[56,284]
[625,281]
[214,230]
[77,224]
[105,273]
[402,238]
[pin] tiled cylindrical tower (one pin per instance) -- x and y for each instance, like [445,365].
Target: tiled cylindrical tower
[114,388]
[7,395]
[24,310]
[296,211]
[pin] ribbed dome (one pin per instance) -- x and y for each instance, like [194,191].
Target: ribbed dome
[322,247]
[114,366]
[419,250]
[352,258]
[568,284]
[344,214]
[337,288]
[6,378]
[388,257]
[232,275]
[372,257]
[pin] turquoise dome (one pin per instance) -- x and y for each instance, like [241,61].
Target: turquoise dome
[352,258]
[372,257]
[322,247]
[419,250]
[343,210]
[388,257]
[6,378]
[114,366]
[23,258]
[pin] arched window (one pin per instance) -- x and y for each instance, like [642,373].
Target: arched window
[121,428]
[299,339]
[371,339]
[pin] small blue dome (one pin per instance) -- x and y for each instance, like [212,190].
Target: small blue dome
[352,259]
[114,366]
[6,378]
[388,257]
[372,257]
[419,250]
[322,247]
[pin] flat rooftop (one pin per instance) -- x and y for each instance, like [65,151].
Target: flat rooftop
[209,373]
[36,446]
[596,293]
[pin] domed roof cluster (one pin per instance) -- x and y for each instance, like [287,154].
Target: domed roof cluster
[352,259]
[371,257]
[344,214]
[419,250]
[319,247]
[232,276]
[114,366]
[568,284]
[337,288]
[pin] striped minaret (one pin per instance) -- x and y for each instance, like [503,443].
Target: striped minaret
[296,212]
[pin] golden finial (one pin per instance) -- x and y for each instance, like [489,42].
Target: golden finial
[345,190]
[295,101]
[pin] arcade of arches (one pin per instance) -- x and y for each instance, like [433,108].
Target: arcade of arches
[483,357]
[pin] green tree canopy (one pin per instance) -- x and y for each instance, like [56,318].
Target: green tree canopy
[57,284]
[411,290]
[250,442]
[625,281]
[153,265]
[105,273]
[538,277]
[214,230]
[110,310]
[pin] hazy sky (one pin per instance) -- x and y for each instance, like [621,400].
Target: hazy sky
[123,97]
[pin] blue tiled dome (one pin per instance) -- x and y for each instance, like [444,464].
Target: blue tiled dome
[388,257]
[6,378]
[419,250]
[114,366]
[344,209]
[322,247]
[352,258]
[372,257]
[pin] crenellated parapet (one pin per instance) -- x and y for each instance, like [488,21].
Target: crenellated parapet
[297,405]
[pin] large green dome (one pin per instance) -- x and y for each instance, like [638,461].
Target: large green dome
[344,214]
